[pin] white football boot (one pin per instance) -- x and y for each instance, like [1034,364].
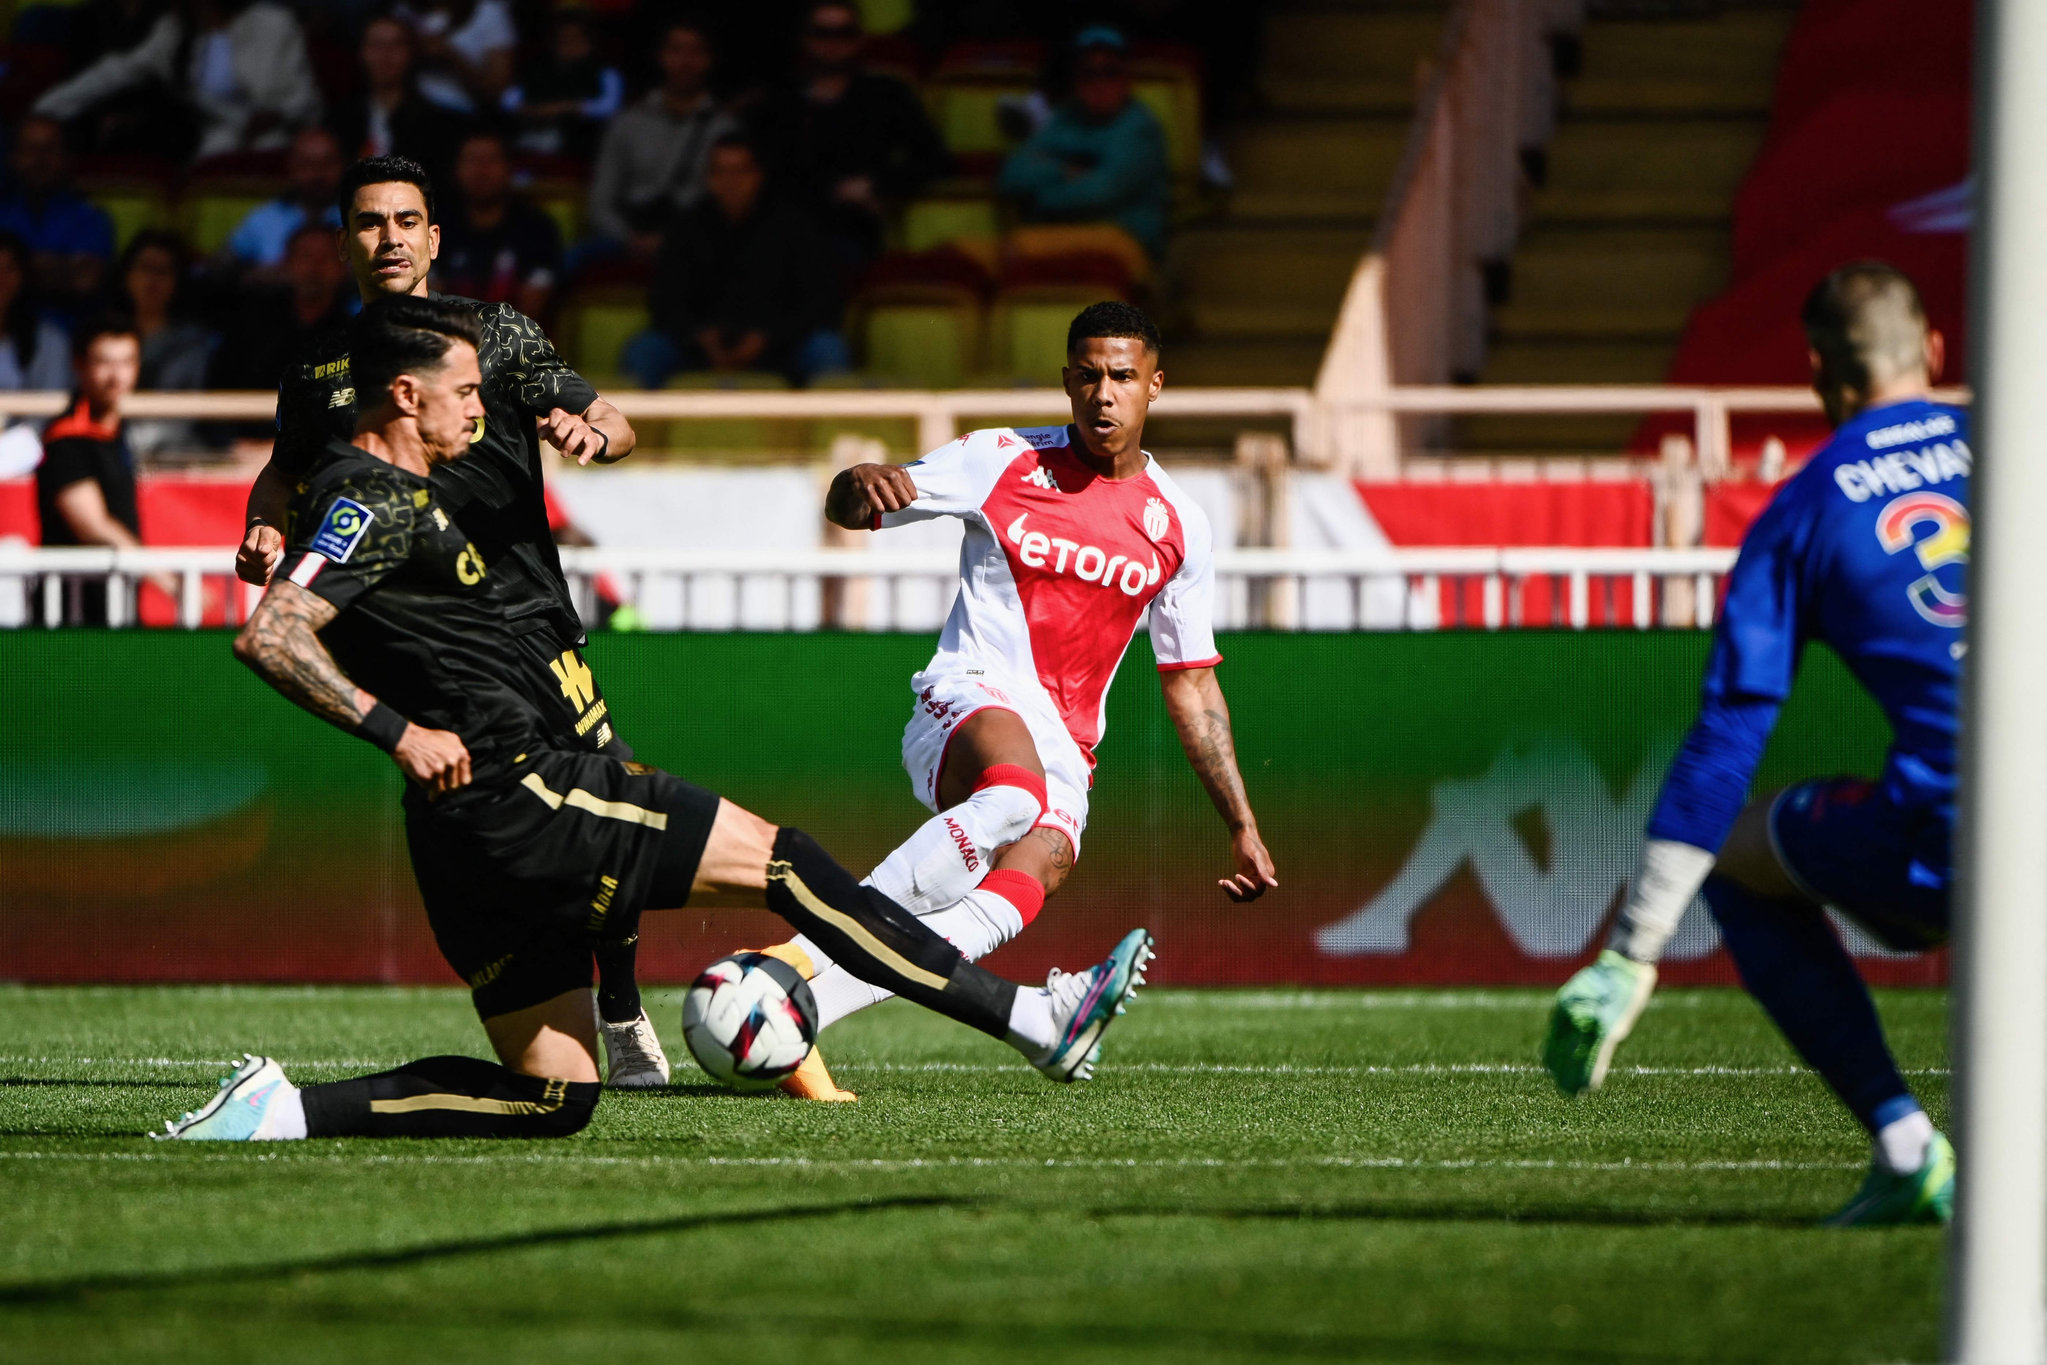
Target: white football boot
[633,1059]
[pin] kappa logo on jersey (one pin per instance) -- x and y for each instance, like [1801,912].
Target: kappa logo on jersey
[1090,563]
[1945,523]
[343,528]
[1156,520]
[1042,477]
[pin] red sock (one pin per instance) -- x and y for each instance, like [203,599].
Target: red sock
[1020,889]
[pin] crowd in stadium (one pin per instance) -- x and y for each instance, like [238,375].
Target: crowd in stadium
[732,180]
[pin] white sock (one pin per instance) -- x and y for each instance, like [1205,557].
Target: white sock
[1030,1022]
[288,1114]
[1901,1144]
[1666,879]
[954,849]
[980,923]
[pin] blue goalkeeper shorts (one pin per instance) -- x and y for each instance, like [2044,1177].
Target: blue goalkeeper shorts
[1847,845]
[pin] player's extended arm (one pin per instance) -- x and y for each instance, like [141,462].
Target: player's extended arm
[263,537]
[864,492]
[1194,699]
[281,644]
[600,436]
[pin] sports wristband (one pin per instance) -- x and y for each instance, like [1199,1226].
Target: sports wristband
[254,522]
[383,727]
[598,458]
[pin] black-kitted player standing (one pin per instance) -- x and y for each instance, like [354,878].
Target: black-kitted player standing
[389,239]
[529,843]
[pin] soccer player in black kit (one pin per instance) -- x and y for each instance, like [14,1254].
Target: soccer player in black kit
[530,844]
[389,239]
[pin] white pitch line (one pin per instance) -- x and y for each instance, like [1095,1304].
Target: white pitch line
[1149,1068]
[1390,1163]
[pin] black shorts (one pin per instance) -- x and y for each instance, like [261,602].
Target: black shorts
[522,880]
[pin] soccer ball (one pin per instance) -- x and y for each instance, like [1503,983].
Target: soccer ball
[749,1020]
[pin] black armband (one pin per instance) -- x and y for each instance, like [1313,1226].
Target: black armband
[382,727]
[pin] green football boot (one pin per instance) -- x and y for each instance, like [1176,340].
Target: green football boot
[1594,1011]
[1927,1195]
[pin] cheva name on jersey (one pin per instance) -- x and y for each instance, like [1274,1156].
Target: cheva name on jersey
[1904,470]
[1089,563]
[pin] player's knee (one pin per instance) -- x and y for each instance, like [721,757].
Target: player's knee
[571,1114]
[1009,799]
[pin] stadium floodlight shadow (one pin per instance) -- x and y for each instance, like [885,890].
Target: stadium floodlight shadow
[57,1291]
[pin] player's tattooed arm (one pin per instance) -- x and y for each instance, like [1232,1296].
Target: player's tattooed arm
[281,643]
[1194,699]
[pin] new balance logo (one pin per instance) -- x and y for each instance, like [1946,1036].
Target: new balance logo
[1042,477]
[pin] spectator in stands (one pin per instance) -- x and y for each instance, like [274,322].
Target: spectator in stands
[276,323]
[563,100]
[496,245]
[69,239]
[851,140]
[314,170]
[85,486]
[466,51]
[239,67]
[34,352]
[150,286]
[652,161]
[388,116]
[1102,155]
[744,282]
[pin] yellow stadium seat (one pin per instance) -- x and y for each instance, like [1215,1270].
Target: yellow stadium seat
[210,216]
[600,326]
[1171,94]
[886,16]
[964,108]
[1027,331]
[970,224]
[926,345]
[132,210]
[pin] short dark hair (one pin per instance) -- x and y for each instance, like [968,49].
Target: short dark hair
[1867,323]
[107,322]
[484,132]
[1112,318]
[740,141]
[405,335]
[383,170]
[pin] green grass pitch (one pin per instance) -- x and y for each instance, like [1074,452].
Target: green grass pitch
[1257,1175]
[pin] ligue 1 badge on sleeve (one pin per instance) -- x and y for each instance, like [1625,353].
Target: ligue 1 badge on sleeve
[342,529]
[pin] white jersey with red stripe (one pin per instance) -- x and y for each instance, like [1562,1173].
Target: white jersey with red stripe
[1058,565]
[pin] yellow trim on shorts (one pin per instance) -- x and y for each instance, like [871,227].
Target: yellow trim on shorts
[596,805]
[852,928]
[468,1104]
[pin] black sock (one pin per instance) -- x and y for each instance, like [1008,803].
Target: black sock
[618,991]
[879,941]
[449,1097]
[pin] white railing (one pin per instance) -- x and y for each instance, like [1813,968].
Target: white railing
[1409,589]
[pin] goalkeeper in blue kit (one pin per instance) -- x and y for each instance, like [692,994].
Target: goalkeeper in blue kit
[1863,551]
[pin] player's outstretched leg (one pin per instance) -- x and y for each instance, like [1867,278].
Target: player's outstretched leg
[1058,1028]
[432,1097]
[1795,966]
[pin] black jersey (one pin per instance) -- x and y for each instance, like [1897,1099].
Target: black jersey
[497,489]
[429,624]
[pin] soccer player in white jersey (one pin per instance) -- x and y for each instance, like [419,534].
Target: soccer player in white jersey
[1071,533]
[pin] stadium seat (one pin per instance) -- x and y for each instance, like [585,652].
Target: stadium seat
[208,214]
[1091,253]
[964,106]
[1173,95]
[970,225]
[133,207]
[923,336]
[1027,331]
[598,322]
